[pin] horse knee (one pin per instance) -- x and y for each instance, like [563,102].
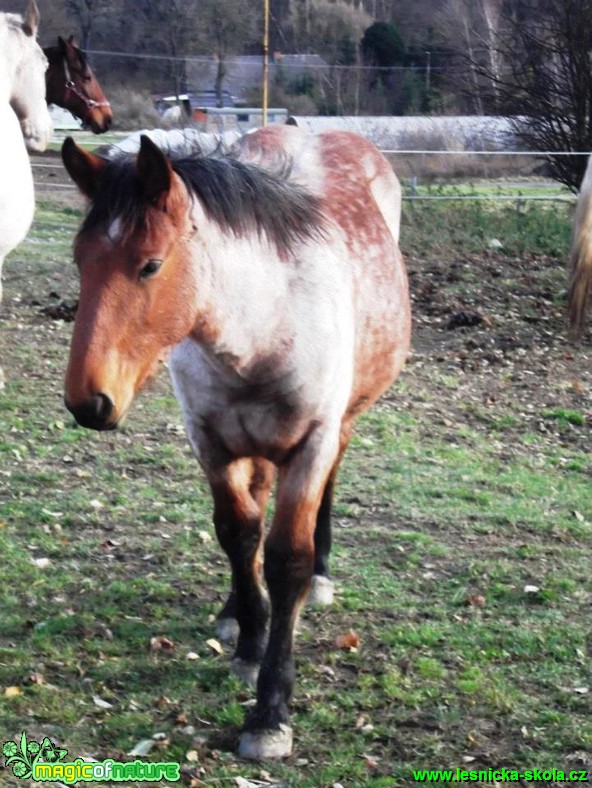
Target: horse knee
[288,571]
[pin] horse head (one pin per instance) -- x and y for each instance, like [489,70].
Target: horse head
[27,90]
[72,84]
[136,281]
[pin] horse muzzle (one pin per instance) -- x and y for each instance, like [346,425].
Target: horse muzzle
[98,117]
[36,135]
[98,124]
[95,413]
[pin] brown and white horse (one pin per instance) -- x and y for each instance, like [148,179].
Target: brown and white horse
[71,84]
[273,279]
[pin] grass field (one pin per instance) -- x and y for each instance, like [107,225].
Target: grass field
[463,539]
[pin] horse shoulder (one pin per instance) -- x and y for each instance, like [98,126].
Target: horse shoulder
[17,197]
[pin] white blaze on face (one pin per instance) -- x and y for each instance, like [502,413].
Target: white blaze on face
[115,230]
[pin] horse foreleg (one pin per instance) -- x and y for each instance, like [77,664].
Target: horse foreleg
[262,473]
[322,589]
[288,567]
[238,519]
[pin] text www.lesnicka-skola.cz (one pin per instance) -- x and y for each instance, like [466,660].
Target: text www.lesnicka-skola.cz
[503,775]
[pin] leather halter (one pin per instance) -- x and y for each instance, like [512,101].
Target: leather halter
[70,86]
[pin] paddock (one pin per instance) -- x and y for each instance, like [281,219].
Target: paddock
[459,636]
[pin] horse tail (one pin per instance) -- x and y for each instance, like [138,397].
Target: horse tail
[580,284]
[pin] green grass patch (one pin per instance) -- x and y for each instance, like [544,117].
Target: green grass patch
[565,417]
[464,226]
[461,557]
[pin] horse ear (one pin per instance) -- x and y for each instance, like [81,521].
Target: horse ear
[70,52]
[85,168]
[154,171]
[31,22]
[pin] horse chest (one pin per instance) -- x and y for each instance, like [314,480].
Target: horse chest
[17,199]
[263,418]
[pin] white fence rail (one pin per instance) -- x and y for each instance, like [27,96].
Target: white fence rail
[89,140]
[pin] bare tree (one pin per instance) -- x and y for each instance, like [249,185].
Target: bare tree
[492,15]
[472,26]
[54,22]
[339,29]
[228,27]
[164,27]
[279,27]
[87,13]
[543,77]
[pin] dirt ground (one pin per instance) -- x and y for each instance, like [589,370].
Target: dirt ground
[497,326]
[489,347]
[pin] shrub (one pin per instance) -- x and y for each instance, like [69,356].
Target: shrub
[133,109]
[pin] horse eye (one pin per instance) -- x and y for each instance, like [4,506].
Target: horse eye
[151,267]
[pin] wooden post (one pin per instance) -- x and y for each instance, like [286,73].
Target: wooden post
[265,96]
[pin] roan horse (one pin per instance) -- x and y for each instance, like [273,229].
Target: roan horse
[71,84]
[24,123]
[273,277]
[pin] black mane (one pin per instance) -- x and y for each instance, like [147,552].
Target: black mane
[240,197]
[82,57]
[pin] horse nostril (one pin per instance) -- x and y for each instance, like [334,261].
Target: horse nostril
[102,125]
[94,413]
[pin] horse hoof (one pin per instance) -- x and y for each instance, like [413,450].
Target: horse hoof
[246,671]
[227,630]
[321,591]
[275,743]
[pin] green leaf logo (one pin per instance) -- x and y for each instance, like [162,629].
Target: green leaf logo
[24,755]
[18,757]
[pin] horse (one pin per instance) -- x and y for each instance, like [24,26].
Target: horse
[173,141]
[71,84]
[24,121]
[271,278]
[580,285]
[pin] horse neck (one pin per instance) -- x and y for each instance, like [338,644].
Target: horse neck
[17,200]
[8,62]
[13,151]
[55,76]
[240,282]
[5,87]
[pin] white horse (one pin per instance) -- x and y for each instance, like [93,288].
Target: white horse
[24,123]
